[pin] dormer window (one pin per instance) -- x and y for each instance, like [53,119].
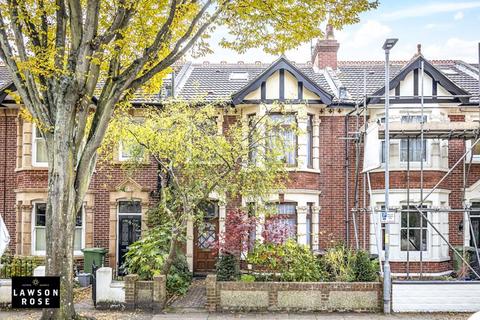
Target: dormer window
[342,93]
[238,76]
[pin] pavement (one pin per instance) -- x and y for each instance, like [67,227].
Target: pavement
[138,315]
[191,307]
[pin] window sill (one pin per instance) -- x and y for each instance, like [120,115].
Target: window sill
[296,169]
[31,168]
[404,168]
[76,254]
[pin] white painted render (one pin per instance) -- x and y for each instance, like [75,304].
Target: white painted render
[436,149]
[436,296]
[108,290]
[437,249]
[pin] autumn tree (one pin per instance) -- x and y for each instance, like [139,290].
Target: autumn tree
[198,161]
[70,58]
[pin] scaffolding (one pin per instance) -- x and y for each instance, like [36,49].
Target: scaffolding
[423,131]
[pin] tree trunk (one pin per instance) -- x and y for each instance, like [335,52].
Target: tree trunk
[172,252]
[65,199]
[60,238]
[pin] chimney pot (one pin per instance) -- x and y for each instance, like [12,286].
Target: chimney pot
[325,52]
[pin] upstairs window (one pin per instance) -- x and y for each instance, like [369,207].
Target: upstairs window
[238,76]
[39,149]
[411,149]
[475,150]
[285,131]
[252,138]
[310,141]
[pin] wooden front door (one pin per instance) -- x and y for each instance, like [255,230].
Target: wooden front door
[129,231]
[204,253]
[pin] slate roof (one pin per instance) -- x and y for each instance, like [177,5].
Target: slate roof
[212,81]
[5,78]
[351,74]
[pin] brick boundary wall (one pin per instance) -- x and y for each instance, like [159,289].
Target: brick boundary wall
[293,296]
[145,294]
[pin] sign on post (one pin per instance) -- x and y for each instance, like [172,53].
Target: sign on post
[387,216]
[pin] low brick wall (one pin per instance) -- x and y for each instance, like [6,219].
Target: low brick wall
[131,293]
[145,294]
[293,296]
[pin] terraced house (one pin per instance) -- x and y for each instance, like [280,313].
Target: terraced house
[329,197]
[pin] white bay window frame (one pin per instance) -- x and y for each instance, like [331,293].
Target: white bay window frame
[36,140]
[34,229]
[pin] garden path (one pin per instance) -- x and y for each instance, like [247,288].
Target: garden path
[193,300]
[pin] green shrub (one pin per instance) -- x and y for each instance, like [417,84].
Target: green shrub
[365,269]
[346,265]
[18,266]
[247,278]
[146,257]
[227,268]
[289,261]
[179,277]
[339,262]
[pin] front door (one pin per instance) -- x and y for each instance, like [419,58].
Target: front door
[129,230]
[205,254]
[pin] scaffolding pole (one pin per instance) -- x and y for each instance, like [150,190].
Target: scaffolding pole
[418,207]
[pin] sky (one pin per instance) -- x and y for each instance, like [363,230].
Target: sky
[445,29]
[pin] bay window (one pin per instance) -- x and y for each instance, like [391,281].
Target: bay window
[310,141]
[39,230]
[413,227]
[281,225]
[39,149]
[475,221]
[412,149]
[284,130]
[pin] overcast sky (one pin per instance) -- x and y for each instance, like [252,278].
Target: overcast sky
[446,30]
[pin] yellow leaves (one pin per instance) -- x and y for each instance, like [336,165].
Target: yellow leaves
[28,117]
[187,138]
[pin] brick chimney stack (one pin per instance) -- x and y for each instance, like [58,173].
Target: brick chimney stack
[325,52]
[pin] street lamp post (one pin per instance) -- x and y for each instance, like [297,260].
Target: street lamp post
[387,280]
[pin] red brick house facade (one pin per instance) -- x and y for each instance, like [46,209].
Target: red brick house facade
[326,184]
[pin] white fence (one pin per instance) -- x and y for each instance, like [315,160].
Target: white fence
[436,296]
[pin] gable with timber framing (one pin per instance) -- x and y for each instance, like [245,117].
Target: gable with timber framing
[282,81]
[406,85]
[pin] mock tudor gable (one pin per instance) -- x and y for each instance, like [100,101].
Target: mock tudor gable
[282,81]
[437,87]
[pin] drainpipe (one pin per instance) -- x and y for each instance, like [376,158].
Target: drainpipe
[347,190]
[5,164]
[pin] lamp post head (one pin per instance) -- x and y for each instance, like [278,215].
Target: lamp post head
[389,44]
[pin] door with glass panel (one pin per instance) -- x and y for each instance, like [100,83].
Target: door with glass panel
[205,237]
[129,229]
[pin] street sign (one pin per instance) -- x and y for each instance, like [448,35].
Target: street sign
[387,216]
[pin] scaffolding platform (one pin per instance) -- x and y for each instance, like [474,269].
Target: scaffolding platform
[431,130]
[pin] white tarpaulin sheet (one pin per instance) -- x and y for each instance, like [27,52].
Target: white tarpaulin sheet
[371,155]
[4,237]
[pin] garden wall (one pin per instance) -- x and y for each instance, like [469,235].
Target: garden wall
[436,296]
[132,292]
[293,296]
